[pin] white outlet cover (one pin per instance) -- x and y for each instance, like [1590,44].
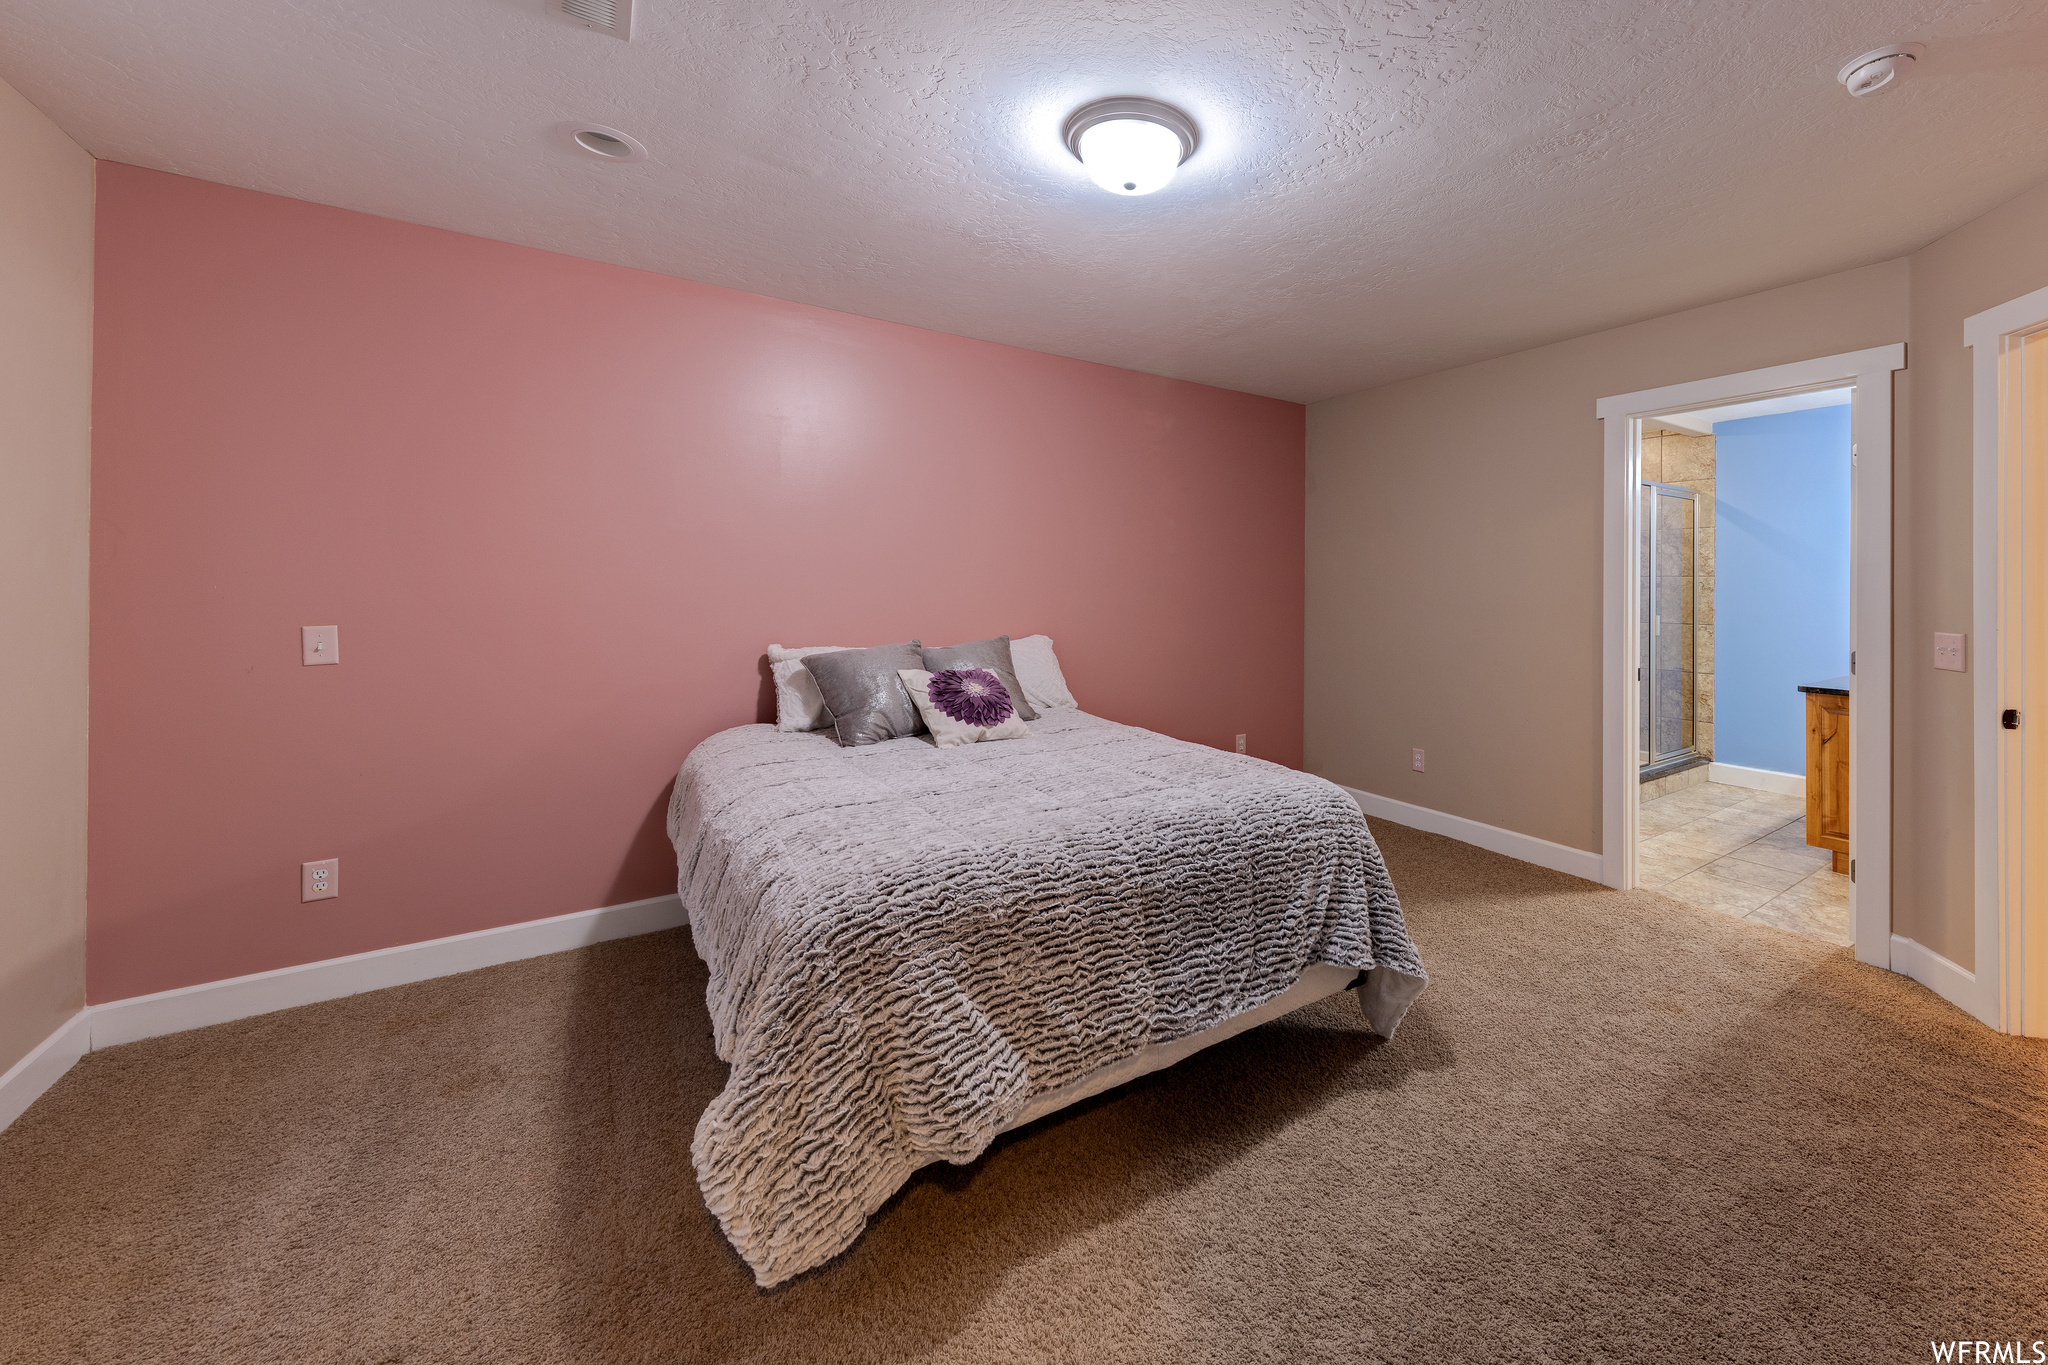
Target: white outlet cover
[1952,652]
[320,881]
[1416,761]
[320,644]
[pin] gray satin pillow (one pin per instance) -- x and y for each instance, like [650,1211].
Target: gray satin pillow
[866,699]
[993,655]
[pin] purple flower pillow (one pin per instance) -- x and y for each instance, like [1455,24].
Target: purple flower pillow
[963,705]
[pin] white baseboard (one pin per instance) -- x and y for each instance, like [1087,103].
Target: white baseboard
[1527,847]
[1758,779]
[28,1078]
[1944,978]
[218,1002]
[238,997]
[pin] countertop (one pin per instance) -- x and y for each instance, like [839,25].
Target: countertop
[1834,687]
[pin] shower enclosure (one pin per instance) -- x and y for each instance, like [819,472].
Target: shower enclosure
[1669,601]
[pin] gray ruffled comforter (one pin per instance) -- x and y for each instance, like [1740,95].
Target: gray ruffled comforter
[907,944]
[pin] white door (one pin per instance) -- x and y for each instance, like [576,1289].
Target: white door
[2011,688]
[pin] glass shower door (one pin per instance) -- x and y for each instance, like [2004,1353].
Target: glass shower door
[1669,596]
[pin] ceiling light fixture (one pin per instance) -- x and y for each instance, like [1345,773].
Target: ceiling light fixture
[1880,68]
[606,144]
[1130,145]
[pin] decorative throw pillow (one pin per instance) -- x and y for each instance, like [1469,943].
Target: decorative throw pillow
[797,703]
[993,655]
[864,694]
[964,705]
[1038,671]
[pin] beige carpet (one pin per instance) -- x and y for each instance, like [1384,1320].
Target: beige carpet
[1615,1128]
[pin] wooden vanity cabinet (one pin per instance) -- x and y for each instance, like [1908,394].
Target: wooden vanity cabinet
[1827,774]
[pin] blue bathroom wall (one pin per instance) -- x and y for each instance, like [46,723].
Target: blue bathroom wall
[1781,579]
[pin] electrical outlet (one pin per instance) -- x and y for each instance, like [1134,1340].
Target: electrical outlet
[1951,652]
[1240,743]
[320,644]
[1415,762]
[320,881]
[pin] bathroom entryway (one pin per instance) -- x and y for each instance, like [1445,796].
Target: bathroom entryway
[1745,607]
[1742,661]
[1759,560]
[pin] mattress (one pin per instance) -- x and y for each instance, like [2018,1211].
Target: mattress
[913,949]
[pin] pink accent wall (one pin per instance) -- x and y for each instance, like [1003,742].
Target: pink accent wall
[558,509]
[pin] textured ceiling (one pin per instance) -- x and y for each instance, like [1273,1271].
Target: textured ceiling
[1383,189]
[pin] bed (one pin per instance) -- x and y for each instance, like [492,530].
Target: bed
[912,950]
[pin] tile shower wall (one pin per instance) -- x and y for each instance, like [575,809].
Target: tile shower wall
[1688,461]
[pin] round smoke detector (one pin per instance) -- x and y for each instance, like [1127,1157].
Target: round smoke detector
[1879,68]
[605,144]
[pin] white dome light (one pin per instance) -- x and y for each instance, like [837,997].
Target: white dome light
[1130,145]
[1882,67]
[1130,156]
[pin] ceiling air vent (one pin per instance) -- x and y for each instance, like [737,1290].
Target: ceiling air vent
[601,16]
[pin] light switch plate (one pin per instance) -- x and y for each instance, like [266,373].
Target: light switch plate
[322,644]
[1951,652]
[320,881]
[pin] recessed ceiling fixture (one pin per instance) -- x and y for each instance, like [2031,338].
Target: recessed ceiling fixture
[1879,68]
[606,144]
[1130,144]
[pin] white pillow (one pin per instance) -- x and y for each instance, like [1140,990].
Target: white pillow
[1038,673]
[798,703]
[946,731]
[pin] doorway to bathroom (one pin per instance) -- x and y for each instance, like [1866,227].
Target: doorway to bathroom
[1745,655]
[1663,699]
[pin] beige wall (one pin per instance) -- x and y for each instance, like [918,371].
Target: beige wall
[46,207]
[1454,555]
[1454,552]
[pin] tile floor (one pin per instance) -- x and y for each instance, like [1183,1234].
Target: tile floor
[1743,853]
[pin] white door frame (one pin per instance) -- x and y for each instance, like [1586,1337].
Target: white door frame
[1870,596]
[2011,979]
